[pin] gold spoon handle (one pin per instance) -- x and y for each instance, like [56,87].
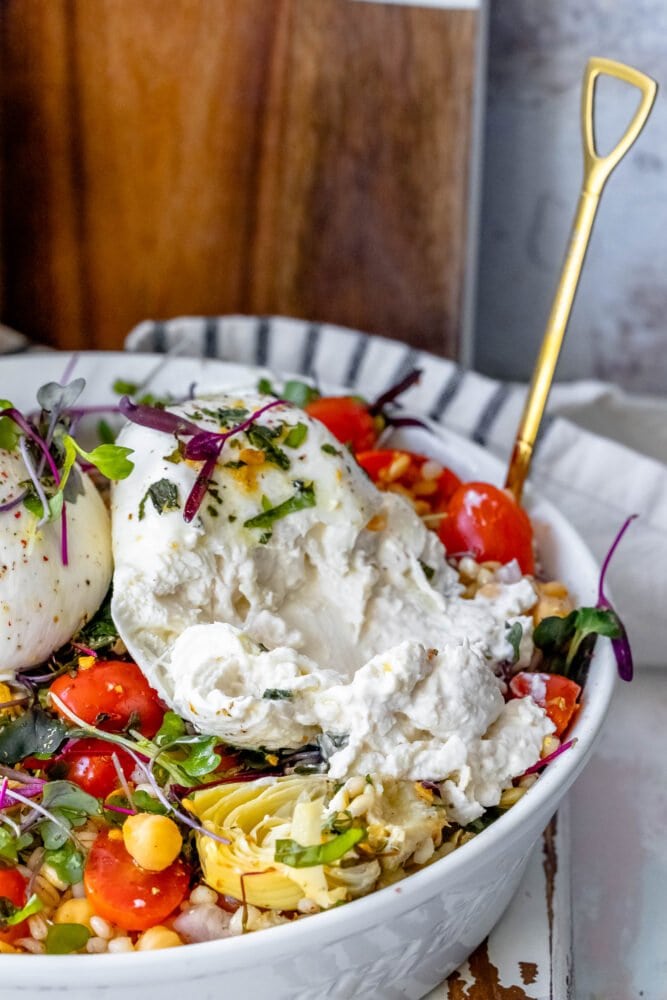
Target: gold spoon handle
[596,172]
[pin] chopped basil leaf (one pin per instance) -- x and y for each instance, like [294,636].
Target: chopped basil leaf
[63,939]
[32,732]
[11,915]
[427,570]
[289,852]
[264,386]
[299,393]
[277,694]
[304,497]
[262,438]
[296,436]
[329,449]
[514,635]
[164,495]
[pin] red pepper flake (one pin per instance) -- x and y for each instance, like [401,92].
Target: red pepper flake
[17,513]
[45,558]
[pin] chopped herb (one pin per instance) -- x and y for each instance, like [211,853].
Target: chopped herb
[234,465]
[303,497]
[289,852]
[329,449]
[264,386]
[100,630]
[299,393]
[296,436]
[231,518]
[63,939]
[227,415]
[265,537]
[177,455]
[213,511]
[427,570]
[339,822]
[277,694]
[32,732]
[124,388]
[213,490]
[164,495]
[262,438]
[514,635]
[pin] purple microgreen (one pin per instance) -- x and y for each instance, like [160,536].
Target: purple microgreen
[547,760]
[119,809]
[620,643]
[11,504]
[156,419]
[3,790]
[394,391]
[22,777]
[69,368]
[15,702]
[405,422]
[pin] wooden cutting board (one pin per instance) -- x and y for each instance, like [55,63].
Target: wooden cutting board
[303,157]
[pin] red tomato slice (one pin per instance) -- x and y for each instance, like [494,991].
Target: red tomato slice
[89,764]
[109,694]
[126,894]
[13,887]
[347,418]
[377,464]
[487,522]
[557,695]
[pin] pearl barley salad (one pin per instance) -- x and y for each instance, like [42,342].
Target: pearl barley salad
[256,663]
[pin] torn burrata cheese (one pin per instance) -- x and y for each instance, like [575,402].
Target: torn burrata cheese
[303,604]
[43,602]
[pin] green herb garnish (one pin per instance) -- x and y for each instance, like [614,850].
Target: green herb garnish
[277,694]
[304,497]
[164,495]
[514,635]
[296,436]
[289,852]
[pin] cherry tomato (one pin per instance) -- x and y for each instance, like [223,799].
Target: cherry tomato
[487,522]
[13,887]
[347,418]
[89,764]
[123,892]
[110,694]
[377,464]
[556,694]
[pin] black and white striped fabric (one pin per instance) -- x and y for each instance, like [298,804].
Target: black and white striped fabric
[589,459]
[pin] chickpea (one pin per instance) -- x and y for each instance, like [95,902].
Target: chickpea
[153,841]
[158,937]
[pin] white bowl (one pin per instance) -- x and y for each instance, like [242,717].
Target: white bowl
[398,942]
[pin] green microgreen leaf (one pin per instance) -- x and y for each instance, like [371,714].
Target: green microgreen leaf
[124,388]
[69,806]
[10,845]
[32,732]
[63,939]
[172,728]
[264,386]
[54,398]
[11,915]
[296,436]
[289,852]
[105,432]
[9,431]
[100,631]
[67,862]
[303,497]
[567,643]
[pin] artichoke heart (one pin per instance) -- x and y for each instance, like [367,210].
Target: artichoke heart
[285,816]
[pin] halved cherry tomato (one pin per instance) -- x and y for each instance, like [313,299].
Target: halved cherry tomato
[89,764]
[488,522]
[378,463]
[557,695]
[13,887]
[126,894]
[347,418]
[110,694]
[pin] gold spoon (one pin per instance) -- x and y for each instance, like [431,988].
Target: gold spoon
[597,170]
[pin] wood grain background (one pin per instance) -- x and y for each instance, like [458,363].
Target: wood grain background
[303,157]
